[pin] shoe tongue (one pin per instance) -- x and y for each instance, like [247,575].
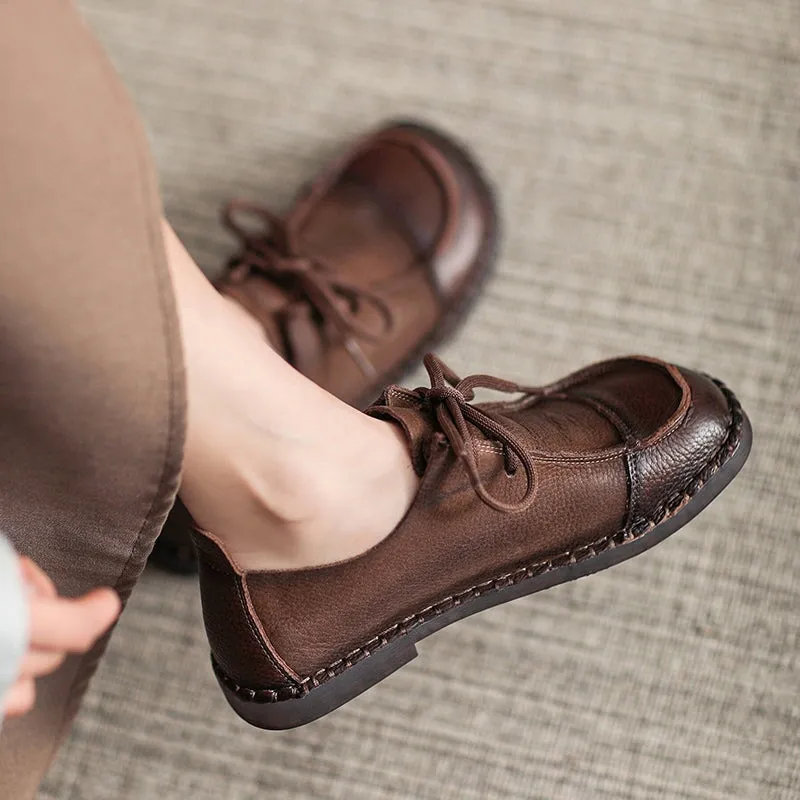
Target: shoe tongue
[416,423]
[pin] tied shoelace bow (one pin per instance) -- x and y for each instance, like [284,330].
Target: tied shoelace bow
[273,253]
[449,396]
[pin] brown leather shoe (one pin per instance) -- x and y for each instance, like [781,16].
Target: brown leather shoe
[515,497]
[375,263]
[378,261]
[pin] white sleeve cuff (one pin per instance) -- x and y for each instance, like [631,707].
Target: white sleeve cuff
[13,618]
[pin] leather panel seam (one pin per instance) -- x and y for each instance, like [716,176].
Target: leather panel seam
[254,630]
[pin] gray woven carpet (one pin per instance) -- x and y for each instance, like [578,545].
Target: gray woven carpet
[647,155]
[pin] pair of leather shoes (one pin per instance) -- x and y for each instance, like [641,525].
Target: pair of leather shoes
[377,259]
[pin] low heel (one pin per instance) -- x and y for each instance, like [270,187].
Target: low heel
[336,691]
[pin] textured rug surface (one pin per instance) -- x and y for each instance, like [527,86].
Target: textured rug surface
[647,156]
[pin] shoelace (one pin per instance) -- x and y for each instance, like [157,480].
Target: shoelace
[449,396]
[273,253]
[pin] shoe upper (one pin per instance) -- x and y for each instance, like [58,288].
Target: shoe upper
[371,260]
[508,489]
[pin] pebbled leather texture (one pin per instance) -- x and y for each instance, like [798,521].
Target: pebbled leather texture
[606,446]
[404,216]
[666,467]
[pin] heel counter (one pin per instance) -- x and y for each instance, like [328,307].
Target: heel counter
[237,642]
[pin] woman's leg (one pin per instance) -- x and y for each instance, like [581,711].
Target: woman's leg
[265,445]
[92,401]
[92,408]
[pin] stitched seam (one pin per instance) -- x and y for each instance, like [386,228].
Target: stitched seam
[175,427]
[577,459]
[489,447]
[624,430]
[254,630]
[170,332]
[606,410]
[632,531]
[634,485]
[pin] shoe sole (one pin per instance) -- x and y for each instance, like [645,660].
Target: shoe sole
[332,689]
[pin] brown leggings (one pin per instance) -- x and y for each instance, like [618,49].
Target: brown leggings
[92,407]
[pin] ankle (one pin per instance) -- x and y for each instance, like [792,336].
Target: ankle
[326,501]
[283,472]
[302,479]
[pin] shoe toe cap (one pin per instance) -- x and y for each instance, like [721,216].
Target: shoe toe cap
[677,462]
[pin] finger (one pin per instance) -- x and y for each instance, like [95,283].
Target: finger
[20,698]
[40,662]
[36,578]
[72,625]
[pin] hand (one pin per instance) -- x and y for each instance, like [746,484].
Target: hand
[57,626]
